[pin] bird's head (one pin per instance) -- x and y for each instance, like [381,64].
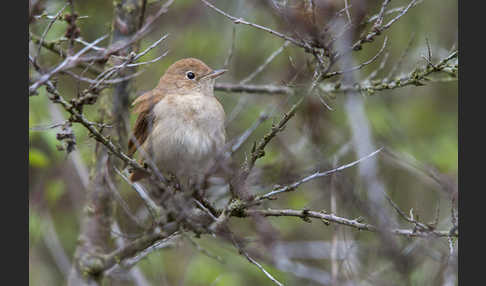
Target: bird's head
[189,75]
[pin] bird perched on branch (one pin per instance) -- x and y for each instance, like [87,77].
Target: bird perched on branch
[180,124]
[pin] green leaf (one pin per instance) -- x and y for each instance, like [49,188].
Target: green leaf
[37,158]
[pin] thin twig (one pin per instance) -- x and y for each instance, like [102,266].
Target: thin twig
[328,75]
[381,14]
[107,82]
[148,62]
[52,46]
[243,137]
[391,11]
[119,199]
[231,49]
[265,63]
[132,252]
[316,175]
[253,261]
[377,30]
[67,63]
[382,65]
[149,48]
[242,251]
[346,7]
[152,207]
[410,219]
[44,34]
[120,45]
[258,150]
[243,100]
[202,250]
[415,78]
[268,30]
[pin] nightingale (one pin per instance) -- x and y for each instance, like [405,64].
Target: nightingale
[180,124]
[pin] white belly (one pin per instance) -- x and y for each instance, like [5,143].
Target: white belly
[188,133]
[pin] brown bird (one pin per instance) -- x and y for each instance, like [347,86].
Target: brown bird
[180,124]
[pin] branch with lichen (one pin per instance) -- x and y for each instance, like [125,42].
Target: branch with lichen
[418,77]
[328,218]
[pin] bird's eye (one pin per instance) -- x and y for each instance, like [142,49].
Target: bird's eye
[190,75]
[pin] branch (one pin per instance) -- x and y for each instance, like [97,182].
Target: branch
[120,45]
[52,46]
[250,88]
[44,34]
[265,63]
[136,247]
[316,175]
[268,30]
[331,74]
[377,30]
[69,62]
[243,137]
[415,78]
[152,207]
[253,261]
[327,218]
[258,151]
[79,118]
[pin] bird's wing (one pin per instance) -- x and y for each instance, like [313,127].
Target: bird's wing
[143,105]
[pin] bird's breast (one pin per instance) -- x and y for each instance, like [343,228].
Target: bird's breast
[188,132]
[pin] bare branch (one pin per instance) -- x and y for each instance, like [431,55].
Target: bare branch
[138,249]
[415,78]
[253,261]
[240,140]
[258,150]
[44,34]
[66,64]
[328,75]
[268,30]
[248,88]
[305,214]
[391,11]
[265,63]
[231,49]
[316,175]
[381,14]
[152,207]
[378,30]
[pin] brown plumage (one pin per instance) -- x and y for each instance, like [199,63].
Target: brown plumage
[143,107]
[180,123]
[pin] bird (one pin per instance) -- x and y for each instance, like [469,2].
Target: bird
[180,124]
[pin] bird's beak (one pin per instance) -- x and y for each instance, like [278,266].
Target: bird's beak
[214,74]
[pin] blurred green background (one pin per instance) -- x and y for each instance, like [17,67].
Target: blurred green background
[412,121]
